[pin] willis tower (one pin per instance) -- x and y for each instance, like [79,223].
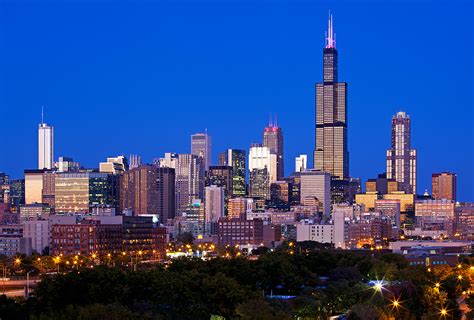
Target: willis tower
[331,154]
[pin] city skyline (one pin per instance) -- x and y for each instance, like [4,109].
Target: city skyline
[426,148]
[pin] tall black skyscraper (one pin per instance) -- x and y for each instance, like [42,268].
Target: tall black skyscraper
[331,154]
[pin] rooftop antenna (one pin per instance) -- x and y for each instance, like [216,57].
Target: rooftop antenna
[330,34]
[270,124]
[42,114]
[276,120]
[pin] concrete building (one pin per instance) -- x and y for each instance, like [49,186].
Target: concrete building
[240,232]
[33,186]
[114,165]
[12,241]
[189,180]
[322,233]
[437,215]
[214,207]
[238,207]
[390,209]
[67,164]
[38,233]
[169,160]
[34,212]
[381,185]
[144,190]
[443,186]
[301,163]
[317,184]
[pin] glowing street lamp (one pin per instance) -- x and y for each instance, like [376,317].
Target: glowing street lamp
[377,285]
[443,312]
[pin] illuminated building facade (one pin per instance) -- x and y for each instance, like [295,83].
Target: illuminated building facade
[273,139]
[331,153]
[443,185]
[401,159]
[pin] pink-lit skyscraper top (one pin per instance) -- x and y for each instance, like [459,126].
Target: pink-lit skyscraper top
[330,34]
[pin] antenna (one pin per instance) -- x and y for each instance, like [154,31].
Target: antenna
[42,114]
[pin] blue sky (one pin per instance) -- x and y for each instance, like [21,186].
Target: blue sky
[141,76]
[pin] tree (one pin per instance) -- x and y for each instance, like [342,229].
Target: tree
[186,238]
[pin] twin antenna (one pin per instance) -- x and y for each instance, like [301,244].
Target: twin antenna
[270,120]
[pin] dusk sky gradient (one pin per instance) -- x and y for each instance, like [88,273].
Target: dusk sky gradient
[142,76]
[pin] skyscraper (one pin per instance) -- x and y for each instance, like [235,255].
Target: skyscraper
[214,207]
[201,146]
[317,184]
[262,171]
[45,145]
[237,160]
[443,185]
[273,139]
[401,159]
[149,190]
[190,180]
[331,153]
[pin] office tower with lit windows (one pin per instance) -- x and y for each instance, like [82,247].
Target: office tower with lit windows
[443,185]
[17,192]
[331,153]
[237,160]
[262,171]
[401,158]
[221,176]
[45,145]
[189,181]
[273,139]
[77,192]
[201,146]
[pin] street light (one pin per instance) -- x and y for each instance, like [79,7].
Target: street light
[443,312]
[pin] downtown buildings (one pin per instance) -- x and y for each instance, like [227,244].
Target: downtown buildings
[187,192]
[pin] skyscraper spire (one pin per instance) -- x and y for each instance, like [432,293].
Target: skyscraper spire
[42,114]
[330,35]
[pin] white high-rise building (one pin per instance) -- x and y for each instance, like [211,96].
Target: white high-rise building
[301,163]
[260,158]
[201,146]
[45,145]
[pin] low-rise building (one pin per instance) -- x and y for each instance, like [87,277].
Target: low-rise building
[240,232]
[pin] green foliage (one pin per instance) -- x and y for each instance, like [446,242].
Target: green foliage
[324,283]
